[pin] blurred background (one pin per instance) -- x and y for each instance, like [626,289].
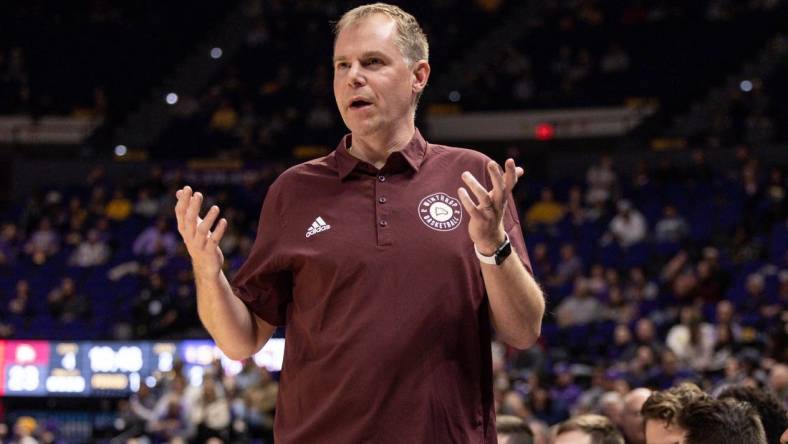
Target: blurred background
[653,134]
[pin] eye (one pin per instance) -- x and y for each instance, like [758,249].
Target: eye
[341,65]
[374,61]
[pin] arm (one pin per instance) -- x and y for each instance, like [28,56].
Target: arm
[237,331]
[516,301]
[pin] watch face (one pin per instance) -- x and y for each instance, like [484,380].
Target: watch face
[503,253]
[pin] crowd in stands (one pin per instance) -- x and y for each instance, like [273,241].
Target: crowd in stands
[665,274]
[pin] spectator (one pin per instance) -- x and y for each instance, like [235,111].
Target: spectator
[545,211]
[671,228]
[569,266]
[43,243]
[65,304]
[628,227]
[601,180]
[119,208]
[156,239]
[773,415]
[9,244]
[20,306]
[580,308]
[632,424]
[661,411]
[210,412]
[91,252]
[513,430]
[692,340]
[709,421]
[146,206]
[588,429]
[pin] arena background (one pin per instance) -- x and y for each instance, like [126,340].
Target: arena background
[653,134]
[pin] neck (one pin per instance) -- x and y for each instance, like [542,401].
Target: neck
[375,148]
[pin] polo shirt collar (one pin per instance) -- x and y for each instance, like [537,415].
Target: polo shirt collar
[413,153]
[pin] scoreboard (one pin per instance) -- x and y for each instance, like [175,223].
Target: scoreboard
[104,368]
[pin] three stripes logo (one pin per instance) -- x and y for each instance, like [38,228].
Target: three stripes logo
[317,226]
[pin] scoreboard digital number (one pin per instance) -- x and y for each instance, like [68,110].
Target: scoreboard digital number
[82,368]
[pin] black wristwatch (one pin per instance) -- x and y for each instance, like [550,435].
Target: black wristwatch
[500,255]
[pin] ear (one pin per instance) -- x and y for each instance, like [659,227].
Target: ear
[421,74]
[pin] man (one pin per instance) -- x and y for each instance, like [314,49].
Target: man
[631,419]
[662,409]
[773,415]
[588,429]
[367,256]
[513,430]
[712,421]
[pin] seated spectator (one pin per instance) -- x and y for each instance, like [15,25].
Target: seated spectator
[579,308]
[91,252]
[20,305]
[146,206]
[545,211]
[210,412]
[671,371]
[773,415]
[601,179]
[671,228]
[565,390]
[711,421]
[692,340]
[513,430]
[9,244]
[588,429]
[628,227]
[611,406]
[661,410]
[43,243]
[632,421]
[119,207]
[569,265]
[156,239]
[65,304]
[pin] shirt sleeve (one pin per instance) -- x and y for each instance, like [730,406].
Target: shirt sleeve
[264,283]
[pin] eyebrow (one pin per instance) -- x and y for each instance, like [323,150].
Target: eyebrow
[365,55]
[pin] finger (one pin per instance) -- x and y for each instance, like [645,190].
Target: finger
[183,196]
[481,193]
[218,233]
[510,174]
[498,182]
[205,226]
[520,172]
[191,214]
[467,203]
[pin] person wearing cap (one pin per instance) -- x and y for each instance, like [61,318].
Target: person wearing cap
[390,261]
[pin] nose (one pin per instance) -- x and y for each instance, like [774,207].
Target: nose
[355,77]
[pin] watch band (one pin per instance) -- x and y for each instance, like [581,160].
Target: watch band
[501,253]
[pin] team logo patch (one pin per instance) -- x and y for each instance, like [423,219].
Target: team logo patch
[440,212]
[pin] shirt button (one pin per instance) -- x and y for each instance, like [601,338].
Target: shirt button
[382,178]
[382,200]
[383,222]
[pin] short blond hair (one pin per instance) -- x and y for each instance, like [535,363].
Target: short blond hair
[599,428]
[410,39]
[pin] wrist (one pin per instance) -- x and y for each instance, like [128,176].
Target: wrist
[487,247]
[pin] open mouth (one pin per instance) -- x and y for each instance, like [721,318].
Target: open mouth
[359,104]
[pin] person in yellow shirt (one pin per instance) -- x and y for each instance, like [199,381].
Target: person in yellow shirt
[546,210]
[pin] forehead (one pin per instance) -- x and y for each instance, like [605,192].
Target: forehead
[658,432]
[573,437]
[376,32]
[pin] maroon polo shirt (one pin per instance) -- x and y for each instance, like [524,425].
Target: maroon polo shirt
[374,274]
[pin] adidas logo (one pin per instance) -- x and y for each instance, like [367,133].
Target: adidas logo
[317,226]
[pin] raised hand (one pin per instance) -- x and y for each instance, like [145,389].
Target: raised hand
[486,224]
[201,242]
